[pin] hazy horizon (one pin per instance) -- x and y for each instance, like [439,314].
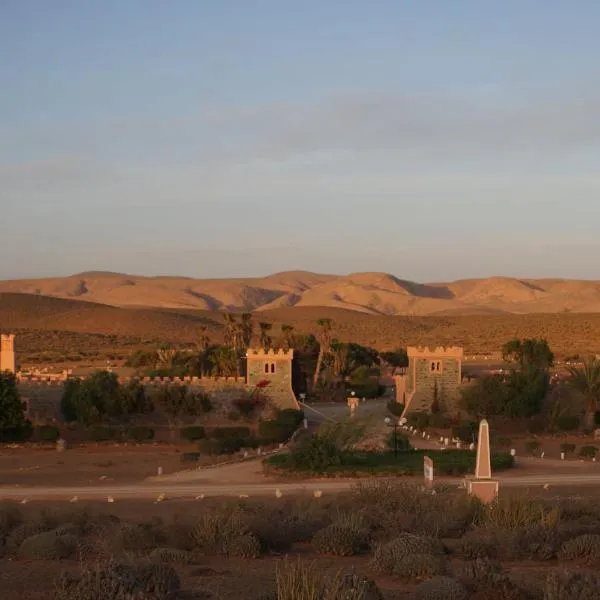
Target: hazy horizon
[435,141]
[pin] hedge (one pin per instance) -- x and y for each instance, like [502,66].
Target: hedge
[221,433]
[19,434]
[102,433]
[48,433]
[193,433]
[140,433]
[230,445]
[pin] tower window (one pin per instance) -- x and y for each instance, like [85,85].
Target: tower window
[266,367]
[272,367]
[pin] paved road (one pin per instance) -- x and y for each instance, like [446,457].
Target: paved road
[199,489]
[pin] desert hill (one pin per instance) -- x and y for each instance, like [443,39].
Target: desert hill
[367,293]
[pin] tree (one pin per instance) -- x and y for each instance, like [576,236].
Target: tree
[287,333]
[165,358]
[223,360]
[528,353]
[247,329]
[176,401]
[586,381]
[265,340]
[12,409]
[324,337]
[395,358]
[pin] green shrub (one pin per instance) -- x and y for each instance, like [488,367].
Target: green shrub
[281,428]
[48,433]
[532,447]
[568,422]
[22,532]
[48,546]
[10,517]
[170,556]
[16,435]
[217,447]
[477,545]
[511,513]
[137,537]
[102,433]
[420,420]
[140,434]
[586,547]
[341,539]
[466,432]
[315,453]
[588,451]
[503,442]
[188,457]
[245,546]
[193,434]
[440,421]
[222,433]
[567,448]
[441,588]
[399,441]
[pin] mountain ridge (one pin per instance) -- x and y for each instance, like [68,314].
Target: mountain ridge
[374,293]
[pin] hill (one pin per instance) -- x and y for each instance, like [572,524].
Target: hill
[367,293]
[53,329]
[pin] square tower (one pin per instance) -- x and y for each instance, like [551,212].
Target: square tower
[433,376]
[7,352]
[274,367]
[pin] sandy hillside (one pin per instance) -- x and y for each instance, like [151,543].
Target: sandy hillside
[367,293]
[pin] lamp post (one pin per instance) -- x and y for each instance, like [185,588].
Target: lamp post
[387,422]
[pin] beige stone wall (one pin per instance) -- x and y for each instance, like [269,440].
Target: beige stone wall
[7,353]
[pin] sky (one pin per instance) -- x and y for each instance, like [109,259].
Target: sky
[433,140]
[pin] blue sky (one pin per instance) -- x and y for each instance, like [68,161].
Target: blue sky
[431,139]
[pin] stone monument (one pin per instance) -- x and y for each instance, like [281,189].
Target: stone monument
[482,485]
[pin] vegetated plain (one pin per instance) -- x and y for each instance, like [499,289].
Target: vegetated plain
[54,330]
[411,544]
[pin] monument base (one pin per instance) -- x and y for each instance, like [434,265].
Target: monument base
[484,489]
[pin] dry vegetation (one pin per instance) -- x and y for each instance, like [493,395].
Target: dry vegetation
[383,541]
[53,330]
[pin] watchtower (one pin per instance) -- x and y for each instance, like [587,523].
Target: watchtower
[274,367]
[7,352]
[433,377]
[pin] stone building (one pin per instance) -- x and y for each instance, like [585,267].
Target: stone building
[7,352]
[433,377]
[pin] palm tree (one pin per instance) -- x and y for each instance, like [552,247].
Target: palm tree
[586,380]
[287,333]
[165,358]
[324,337]
[265,340]
[247,329]
[230,323]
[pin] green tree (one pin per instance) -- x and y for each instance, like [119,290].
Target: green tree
[528,353]
[223,361]
[12,409]
[247,330]
[288,337]
[395,358]
[586,381]
[176,402]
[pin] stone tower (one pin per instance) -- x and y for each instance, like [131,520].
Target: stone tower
[433,375]
[274,366]
[7,352]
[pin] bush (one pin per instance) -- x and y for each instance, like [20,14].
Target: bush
[588,451]
[567,448]
[10,517]
[341,539]
[225,446]
[281,428]
[566,585]
[114,581]
[138,537]
[511,513]
[568,422]
[477,545]
[48,433]
[586,547]
[192,434]
[102,433]
[16,435]
[140,434]
[532,447]
[48,546]
[316,453]
[420,420]
[441,588]
[22,532]
[399,441]
[395,408]
[188,457]
[397,557]
[440,421]
[245,546]
[170,556]
[466,432]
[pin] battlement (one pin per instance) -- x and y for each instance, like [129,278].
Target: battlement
[260,354]
[439,352]
[7,352]
[61,378]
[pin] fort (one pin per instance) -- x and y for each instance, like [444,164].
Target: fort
[432,381]
[269,370]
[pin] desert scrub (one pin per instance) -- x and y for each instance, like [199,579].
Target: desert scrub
[137,537]
[298,580]
[21,533]
[409,556]
[477,545]
[510,513]
[48,546]
[170,556]
[586,547]
[441,588]
[566,585]
[114,581]
[246,545]
[10,517]
[345,537]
